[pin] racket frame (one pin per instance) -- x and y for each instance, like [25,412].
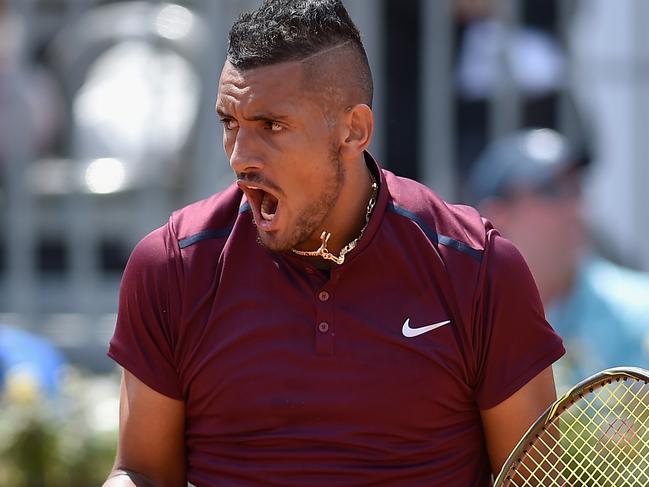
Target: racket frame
[556,409]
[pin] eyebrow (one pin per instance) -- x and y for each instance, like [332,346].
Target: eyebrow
[256,117]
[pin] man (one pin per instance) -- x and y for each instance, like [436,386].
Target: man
[528,184]
[322,322]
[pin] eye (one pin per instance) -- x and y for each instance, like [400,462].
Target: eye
[229,123]
[274,126]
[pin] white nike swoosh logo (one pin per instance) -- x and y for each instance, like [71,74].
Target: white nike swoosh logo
[415,332]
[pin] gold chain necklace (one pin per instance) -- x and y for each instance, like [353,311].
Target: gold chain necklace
[324,252]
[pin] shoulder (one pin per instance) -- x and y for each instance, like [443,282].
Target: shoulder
[207,219]
[203,220]
[451,226]
[481,266]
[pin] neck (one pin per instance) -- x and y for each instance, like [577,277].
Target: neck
[349,215]
[348,218]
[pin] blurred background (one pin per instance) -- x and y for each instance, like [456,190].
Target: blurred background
[107,125]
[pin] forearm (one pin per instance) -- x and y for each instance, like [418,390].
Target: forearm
[151,449]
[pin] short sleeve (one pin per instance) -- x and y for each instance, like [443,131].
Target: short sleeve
[143,339]
[515,342]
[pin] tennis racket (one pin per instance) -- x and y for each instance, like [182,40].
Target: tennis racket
[596,435]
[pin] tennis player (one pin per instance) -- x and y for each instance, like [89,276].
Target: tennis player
[322,321]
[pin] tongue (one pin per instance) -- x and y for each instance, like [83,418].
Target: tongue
[268,206]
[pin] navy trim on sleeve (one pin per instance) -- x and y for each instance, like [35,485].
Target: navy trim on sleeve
[208,234]
[204,235]
[434,236]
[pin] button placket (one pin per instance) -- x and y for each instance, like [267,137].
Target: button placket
[324,333]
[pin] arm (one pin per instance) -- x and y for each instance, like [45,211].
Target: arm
[151,449]
[506,423]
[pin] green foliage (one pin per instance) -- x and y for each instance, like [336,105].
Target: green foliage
[68,441]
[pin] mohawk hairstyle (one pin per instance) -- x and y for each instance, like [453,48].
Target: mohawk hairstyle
[293,30]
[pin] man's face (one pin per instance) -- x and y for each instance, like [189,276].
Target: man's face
[282,150]
[547,227]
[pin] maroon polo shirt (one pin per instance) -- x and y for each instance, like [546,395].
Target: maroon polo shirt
[372,375]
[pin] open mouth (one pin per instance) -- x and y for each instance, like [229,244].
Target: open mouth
[264,205]
[268,206]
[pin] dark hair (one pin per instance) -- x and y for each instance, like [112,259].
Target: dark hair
[292,30]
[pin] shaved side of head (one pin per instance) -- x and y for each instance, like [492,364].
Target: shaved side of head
[338,75]
[318,33]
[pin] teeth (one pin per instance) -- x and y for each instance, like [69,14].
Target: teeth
[267,208]
[263,202]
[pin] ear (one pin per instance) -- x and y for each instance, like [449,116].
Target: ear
[357,132]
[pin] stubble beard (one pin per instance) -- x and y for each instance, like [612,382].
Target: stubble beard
[312,215]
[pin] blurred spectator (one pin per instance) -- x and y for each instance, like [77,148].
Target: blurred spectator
[497,51]
[528,185]
[30,367]
[30,100]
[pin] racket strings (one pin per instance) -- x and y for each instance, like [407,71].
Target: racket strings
[611,433]
[607,435]
[595,429]
[600,439]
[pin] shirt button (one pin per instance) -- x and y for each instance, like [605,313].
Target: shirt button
[323,296]
[310,270]
[323,327]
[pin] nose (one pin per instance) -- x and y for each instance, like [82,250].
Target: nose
[245,156]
